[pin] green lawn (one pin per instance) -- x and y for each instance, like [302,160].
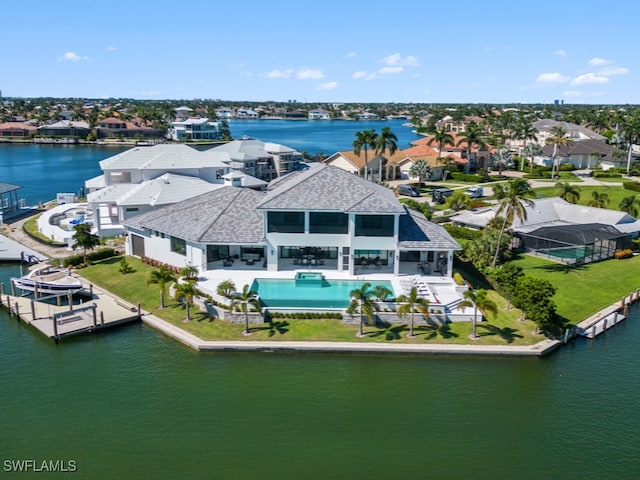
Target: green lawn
[506,329]
[615,193]
[582,291]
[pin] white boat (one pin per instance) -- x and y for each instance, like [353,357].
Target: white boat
[48,279]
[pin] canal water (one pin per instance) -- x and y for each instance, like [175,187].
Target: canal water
[131,403]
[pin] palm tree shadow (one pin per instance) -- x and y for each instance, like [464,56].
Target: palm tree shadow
[279,327]
[561,268]
[389,331]
[434,330]
[506,333]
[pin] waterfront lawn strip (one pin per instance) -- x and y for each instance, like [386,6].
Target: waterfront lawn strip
[505,329]
[583,291]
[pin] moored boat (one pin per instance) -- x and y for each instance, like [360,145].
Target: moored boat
[48,279]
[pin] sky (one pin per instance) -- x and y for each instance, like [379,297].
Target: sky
[420,51]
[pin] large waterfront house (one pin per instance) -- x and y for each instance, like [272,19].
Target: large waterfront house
[115,128]
[392,166]
[65,128]
[17,130]
[322,217]
[193,129]
[143,178]
[587,153]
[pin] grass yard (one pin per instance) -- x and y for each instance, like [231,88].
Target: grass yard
[615,193]
[506,329]
[582,291]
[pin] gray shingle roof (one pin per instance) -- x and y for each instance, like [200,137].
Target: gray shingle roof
[226,215]
[324,187]
[416,232]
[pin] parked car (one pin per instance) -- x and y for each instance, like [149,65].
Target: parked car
[475,192]
[440,195]
[408,190]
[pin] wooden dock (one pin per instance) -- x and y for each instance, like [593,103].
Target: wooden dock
[98,310]
[607,317]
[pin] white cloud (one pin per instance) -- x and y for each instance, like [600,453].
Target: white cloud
[351,54]
[396,60]
[327,86]
[363,75]
[71,57]
[111,48]
[589,79]
[279,73]
[560,53]
[551,78]
[596,61]
[609,71]
[387,70]
[309,74]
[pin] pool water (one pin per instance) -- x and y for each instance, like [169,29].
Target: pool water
[332,293]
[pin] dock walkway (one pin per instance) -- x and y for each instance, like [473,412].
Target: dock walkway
[12,251]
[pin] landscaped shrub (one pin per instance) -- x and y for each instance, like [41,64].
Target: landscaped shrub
[620,254]
[462,232]
[566,167]
[607,174]
[467,177]
[458,278]
[635,186]
[306,315]
[101,254]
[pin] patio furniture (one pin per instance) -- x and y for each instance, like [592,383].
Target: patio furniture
[227,263]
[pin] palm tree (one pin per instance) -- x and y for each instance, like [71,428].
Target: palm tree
[629,205]
[473,135]
[525,131]
[513,196]
[189,274]
[532,150]
[631,133]
[186,291]
[442,138]
[381,292]
[84,239]
[363,304]
[226,288]
[365,139]
[161,277]
[420,169]
[568,192]
[387,140]
[411,304]
[247,298]
[599,200]
[559,138]
[479,301]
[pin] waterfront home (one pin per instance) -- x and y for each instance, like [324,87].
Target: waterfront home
[588,153]
[65,128]
[478,158]
[144,178]
[322,217]
[194,129]
[17,130]
[115,128]
[557,229]
[319,114]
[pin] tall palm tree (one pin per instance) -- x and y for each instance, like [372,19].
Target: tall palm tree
[161,277]
[366,139]
[186,291]
[599,199]
[631,133]
[559,138]
[568,192]
[532,150]
[411,304]
[629,205]
[441,137]
[514,196]
[525,131]
[363,304]
[247,298]
[473,135]
[479,301]
[387,140]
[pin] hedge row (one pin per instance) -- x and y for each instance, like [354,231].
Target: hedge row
[101,254]
[462,232]
[635,186]
[305,315]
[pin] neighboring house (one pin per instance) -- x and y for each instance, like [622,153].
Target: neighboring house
[422,151]
[295,115]
[146,177]
[456,126]
[225,113]
[391,164]
[367,116]
[575,132]
[587,153]
[564,231]
[183,112]
[65,128]
[264,160]
[458,153]
[115,128]
[319,114]
[17,130]
[322,216]
[194,129]
[247,113]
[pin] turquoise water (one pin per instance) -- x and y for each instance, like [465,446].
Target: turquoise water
[285,293]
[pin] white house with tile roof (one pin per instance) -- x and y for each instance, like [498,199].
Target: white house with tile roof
[322,217]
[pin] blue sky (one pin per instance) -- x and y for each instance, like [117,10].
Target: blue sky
[328,51]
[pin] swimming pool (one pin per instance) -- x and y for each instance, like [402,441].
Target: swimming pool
[331,294]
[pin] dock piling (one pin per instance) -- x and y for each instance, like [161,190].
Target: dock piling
[33,310]
[1,289]
[13,290]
